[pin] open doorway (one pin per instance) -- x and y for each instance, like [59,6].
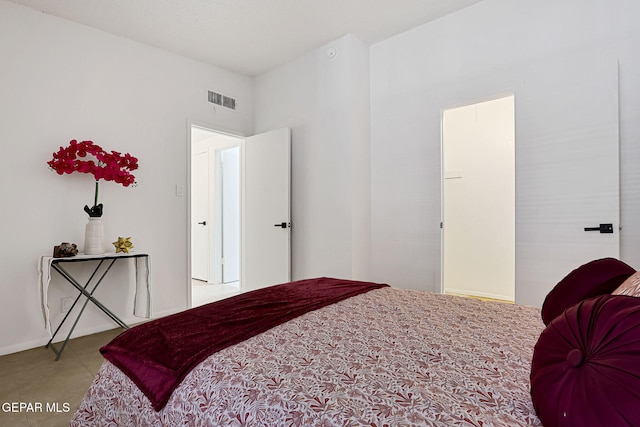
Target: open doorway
[478,204]
[215,215]
[262,177]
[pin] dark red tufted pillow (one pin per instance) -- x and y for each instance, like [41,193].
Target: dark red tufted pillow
[595,278]
[586,365]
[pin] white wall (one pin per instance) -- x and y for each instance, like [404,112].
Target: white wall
[325,101]
[477,52]
[61,81]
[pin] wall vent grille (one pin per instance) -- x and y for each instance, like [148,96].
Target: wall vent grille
[222,100]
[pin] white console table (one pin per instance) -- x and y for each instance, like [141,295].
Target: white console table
[104,262]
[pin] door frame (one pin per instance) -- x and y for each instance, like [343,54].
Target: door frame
[181,191]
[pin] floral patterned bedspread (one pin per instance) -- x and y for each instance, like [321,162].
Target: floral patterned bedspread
[389,357]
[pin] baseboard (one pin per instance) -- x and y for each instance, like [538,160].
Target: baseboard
[166,313]
[81,332]
[10,349]
[77,333]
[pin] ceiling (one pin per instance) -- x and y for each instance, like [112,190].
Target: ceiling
[247,36]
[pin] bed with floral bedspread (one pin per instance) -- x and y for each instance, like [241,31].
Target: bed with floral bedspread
[388,356]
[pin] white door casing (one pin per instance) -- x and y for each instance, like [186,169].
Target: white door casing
[266,190]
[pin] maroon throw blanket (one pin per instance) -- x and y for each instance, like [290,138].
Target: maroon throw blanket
[158,355]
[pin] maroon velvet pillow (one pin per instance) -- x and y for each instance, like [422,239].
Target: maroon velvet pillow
[586,365]
[595,278]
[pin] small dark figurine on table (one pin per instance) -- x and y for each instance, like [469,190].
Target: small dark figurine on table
[65,250]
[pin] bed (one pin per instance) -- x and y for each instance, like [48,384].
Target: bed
[383,357]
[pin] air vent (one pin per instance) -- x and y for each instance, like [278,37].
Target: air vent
[215,98]
[228,102]
[222,100]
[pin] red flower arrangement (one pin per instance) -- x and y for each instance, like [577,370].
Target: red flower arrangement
[112,166]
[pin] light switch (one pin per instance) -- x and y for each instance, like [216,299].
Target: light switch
[179,190]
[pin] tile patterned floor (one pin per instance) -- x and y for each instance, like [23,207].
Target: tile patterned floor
[53,388]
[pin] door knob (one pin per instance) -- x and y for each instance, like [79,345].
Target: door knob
[602,228]
[282,224]
[203,223]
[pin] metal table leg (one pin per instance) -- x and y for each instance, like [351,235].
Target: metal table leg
[89,297]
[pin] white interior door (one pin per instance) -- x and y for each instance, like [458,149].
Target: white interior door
[266,232]
[200,222]
[567,176]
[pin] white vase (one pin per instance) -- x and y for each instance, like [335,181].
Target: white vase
[94,237]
